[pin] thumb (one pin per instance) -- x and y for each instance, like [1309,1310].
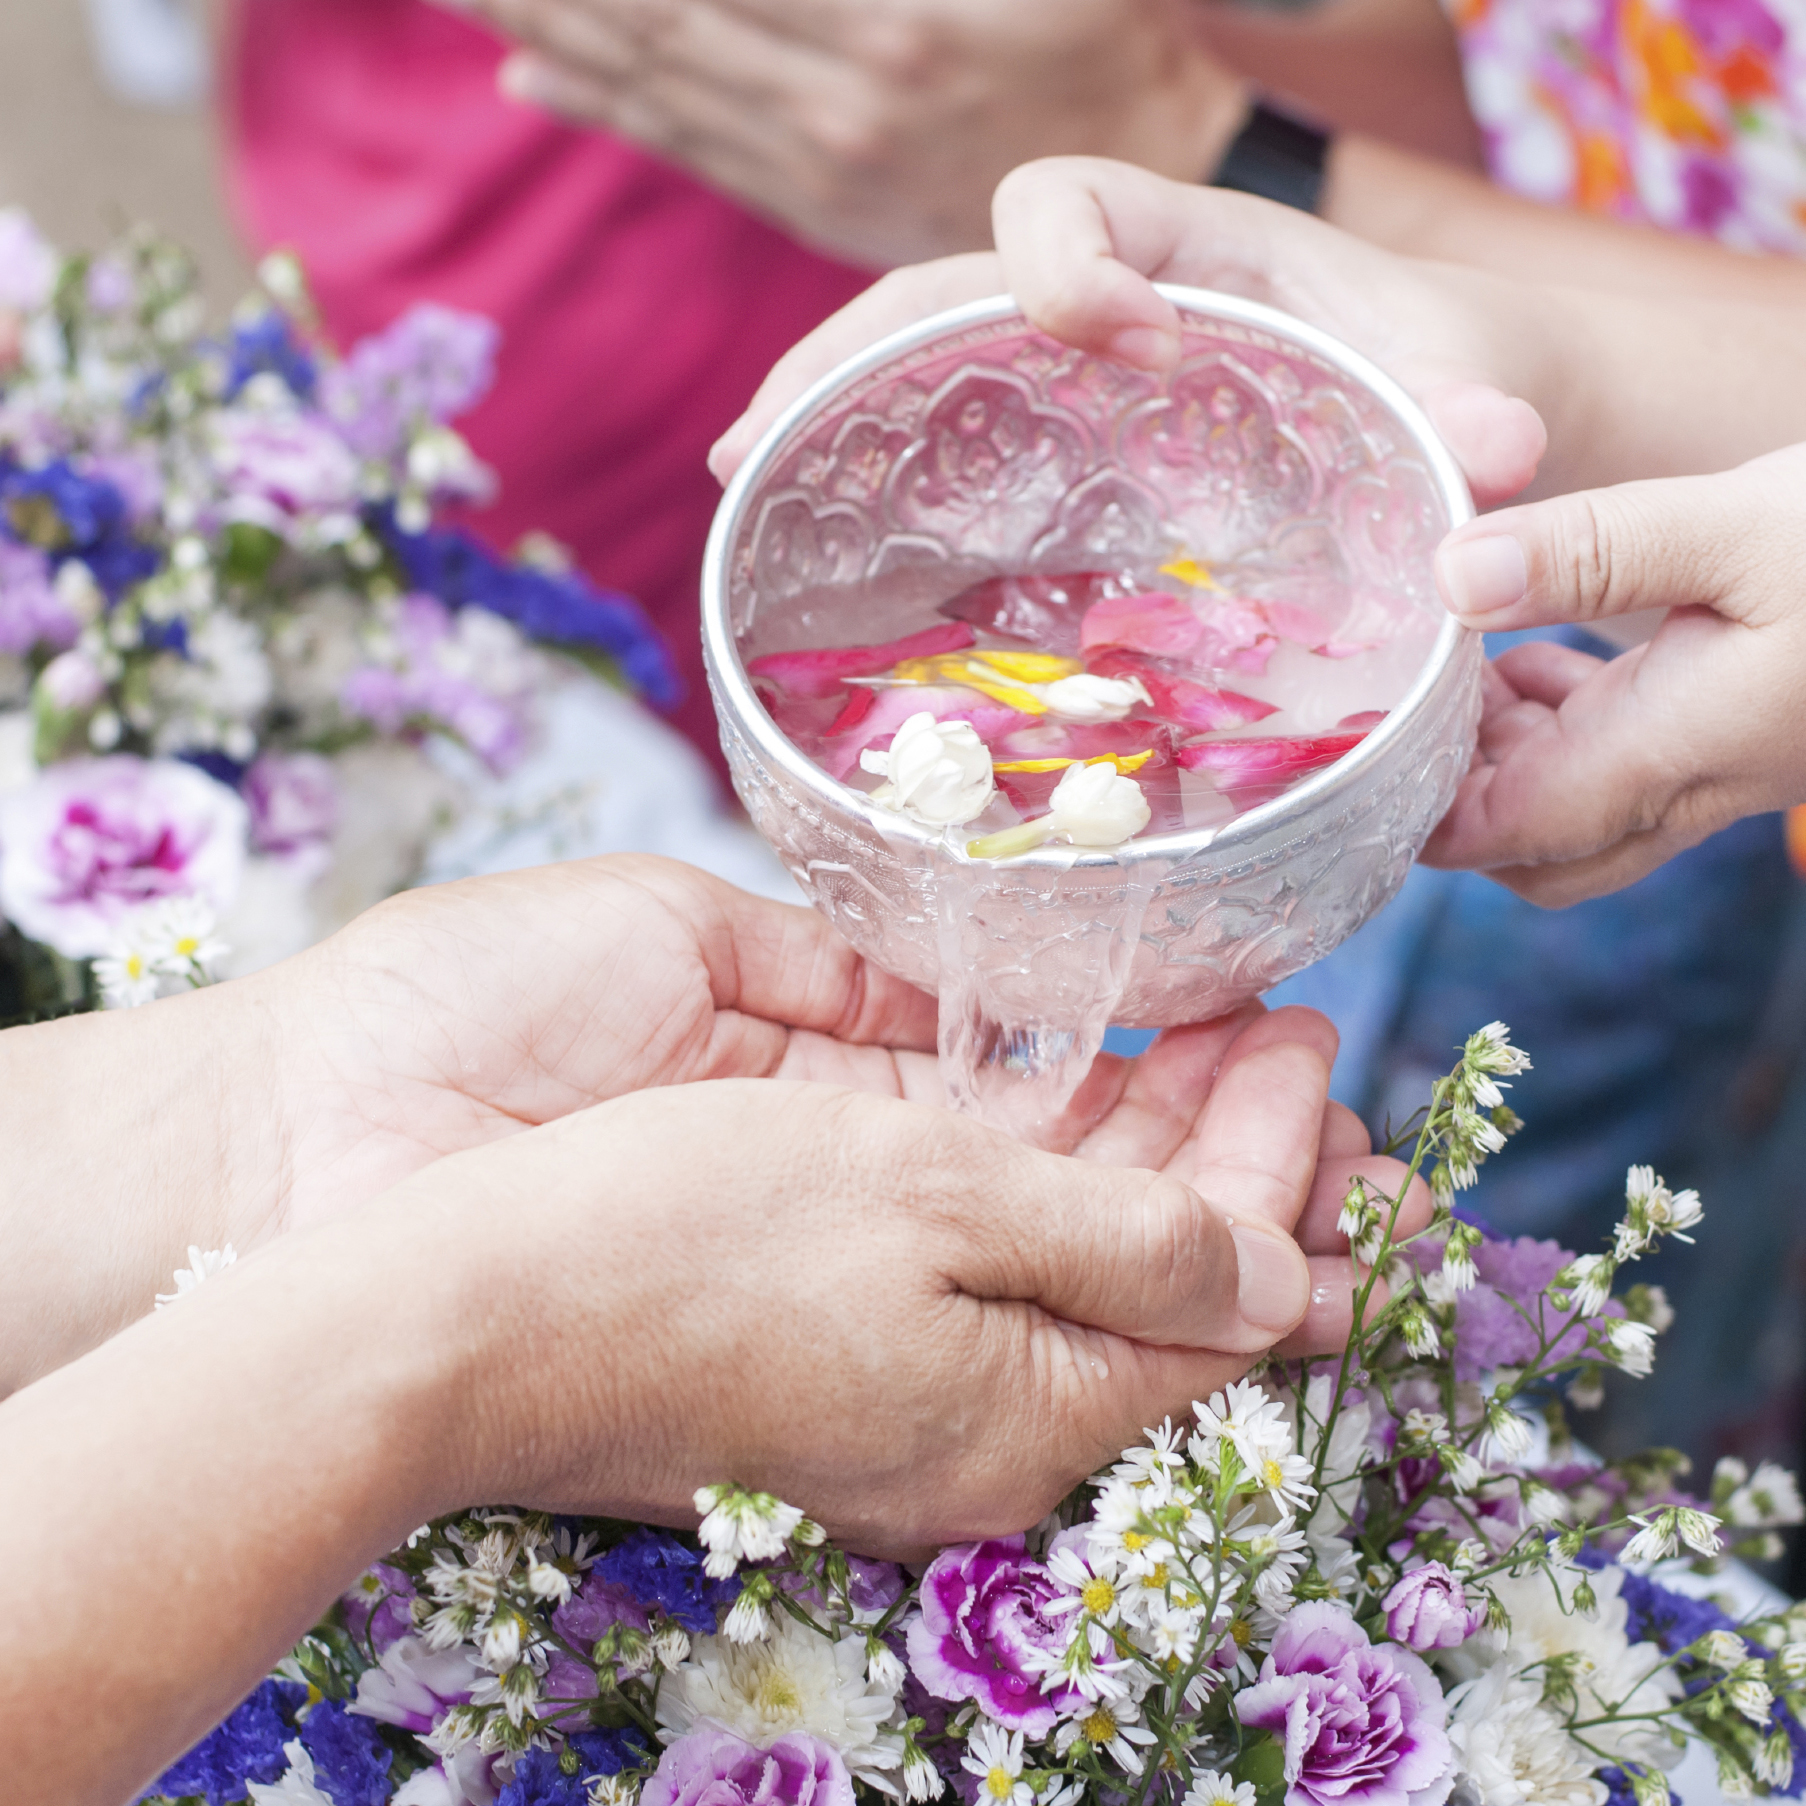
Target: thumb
[1577,558]
[1132,1253]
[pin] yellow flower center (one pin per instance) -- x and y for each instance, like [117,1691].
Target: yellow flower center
[1099,1727]
[1132,1540]
[1098,1595]
[1242,1632]
[1222,1800]
[187,945]
[1158,1577]
[777,1696]
[1001,1783]
[134,965]
[1271,1473]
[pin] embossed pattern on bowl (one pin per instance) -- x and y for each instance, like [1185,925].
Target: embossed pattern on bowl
[973,444]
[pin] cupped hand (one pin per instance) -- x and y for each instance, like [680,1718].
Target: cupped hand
[876,131]
[1591,773]
[913,1326]
[1081,242]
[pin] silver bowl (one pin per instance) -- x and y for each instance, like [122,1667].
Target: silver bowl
[973,444]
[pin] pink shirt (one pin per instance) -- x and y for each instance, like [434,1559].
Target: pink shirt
[639,310]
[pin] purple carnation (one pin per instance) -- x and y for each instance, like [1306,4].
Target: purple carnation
[1429,1609]
[982,1626]
[710,1766]
[294,801]
[1362,1723]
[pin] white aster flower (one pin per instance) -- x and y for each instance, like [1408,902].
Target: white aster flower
[1769,1496]
[921,1779]
[1512,1751]
[607,1790]
[202,1266]
[179,934]
[1085,1589]
[1751,1696]
[671,1646]
[1589,1280]
[795,1680]
[296,1788]
[1209,1788]
[738,1526]
[883,1666]
[1489,1050]
[995,1756]
[1722,1648]
[749,1621]
[548,1582]
[1110,1726]
[937,771]
[127,977]
[1242,1414]
[1507,1437]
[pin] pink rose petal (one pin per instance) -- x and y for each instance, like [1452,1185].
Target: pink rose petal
[823,670]
[1198,708]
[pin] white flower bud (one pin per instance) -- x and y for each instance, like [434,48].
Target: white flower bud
[1085,698]
[544,1581]
[937,771]
[672,1646]
[749,1621]
[1632,1346]
[1722,1648]
[1096,806]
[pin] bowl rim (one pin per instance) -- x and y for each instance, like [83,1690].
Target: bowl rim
[1253,826]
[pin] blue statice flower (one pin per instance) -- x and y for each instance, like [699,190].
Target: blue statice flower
[1666,1618]
[1618,1790]
[68,515]
[561,609]
[268,346]
[351,1761]
[247,1747]
[659,1570]
[428,367]
[540,1778]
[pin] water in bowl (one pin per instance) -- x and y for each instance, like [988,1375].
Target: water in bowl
[1221,688]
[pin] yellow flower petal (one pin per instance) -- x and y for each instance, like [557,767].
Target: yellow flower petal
[1189,570]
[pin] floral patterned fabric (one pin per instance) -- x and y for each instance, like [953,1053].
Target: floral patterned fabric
[1684,114]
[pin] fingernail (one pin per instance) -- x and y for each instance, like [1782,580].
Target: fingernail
[1481,576]
[1273,1285]
[1146,347]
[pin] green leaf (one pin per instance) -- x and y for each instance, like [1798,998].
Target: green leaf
[1262,1762]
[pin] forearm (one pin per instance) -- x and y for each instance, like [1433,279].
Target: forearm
[1429,208]
[200,1488]
[124,1138]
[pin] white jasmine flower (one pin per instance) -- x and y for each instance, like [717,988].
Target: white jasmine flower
[201,1267]
[795,1680]
[1085,698]
[937,771]
[1512,1751]
[296,1788]
[1209,1788]
[742,1526]
[1096,806]
[995,1756]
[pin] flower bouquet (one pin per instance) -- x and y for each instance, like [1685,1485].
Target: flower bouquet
[1391,1579]
[246,669]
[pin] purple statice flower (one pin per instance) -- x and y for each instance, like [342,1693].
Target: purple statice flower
[267,346]
[1511,1274]
[556,609]
[87,842]
[656,1569]
[377,1610]
[294,801]
[464,674]
[1361,1722]
[431,365]
[71,513]
[874,1586]
[30,613]
[983,1629]
[28,265]
[110,287]
[595,1606]
[710,1766]
[351,1761]
[246,1747]
[1429,1609]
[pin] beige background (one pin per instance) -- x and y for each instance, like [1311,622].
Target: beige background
[85,163]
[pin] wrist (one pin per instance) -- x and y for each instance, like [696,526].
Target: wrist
[125,1138]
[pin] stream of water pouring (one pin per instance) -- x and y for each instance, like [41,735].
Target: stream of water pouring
[1033,964]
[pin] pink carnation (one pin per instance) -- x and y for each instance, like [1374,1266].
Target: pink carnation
[294,800]
[84,844]
[1362,1723]
[274,470]
[1429,1609]
[710,1766]
[983,1626]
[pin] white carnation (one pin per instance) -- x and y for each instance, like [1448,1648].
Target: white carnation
[1513,1752]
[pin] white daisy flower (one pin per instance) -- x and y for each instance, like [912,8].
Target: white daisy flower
[995,1756]
[1209,1788]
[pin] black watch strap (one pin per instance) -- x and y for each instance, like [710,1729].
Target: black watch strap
[1277,157]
